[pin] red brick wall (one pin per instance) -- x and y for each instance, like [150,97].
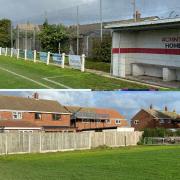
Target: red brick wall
[46,120]
[148,121]
[82,125]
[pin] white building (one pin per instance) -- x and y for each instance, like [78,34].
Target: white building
[149,48]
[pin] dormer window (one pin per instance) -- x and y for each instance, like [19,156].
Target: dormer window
[17,115]
[136,122]
[118,121]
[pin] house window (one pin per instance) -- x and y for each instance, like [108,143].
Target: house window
[108,121]
[38,116]
[85,120]
[118,121]
[17,115]
[98,121]
[162,121]
[136,122]
[56,117]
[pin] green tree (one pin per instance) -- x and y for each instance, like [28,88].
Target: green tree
[52,35]
[102,49]
[5,33]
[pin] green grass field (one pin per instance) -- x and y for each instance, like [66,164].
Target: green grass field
[133,163]
[20,74]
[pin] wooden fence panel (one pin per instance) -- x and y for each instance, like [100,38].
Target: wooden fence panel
[12,143]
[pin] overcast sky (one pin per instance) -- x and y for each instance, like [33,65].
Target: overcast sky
[65,10]
[127,103]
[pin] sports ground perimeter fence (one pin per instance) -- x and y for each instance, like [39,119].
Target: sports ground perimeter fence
[27,142]
[161,141]
[73,61]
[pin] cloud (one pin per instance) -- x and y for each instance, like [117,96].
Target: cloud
[64,11]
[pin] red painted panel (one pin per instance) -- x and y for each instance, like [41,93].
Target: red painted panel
[146,51]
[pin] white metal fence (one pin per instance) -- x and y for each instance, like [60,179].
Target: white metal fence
[14,143]
[74,61]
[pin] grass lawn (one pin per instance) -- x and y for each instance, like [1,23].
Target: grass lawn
[100,66]
[42,76]
[133,163]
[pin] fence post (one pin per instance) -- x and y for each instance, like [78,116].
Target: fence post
[48,58]
[6,52]
[34,56]
[40,142]
[25,54]
[125,143]
[11,52]
[74,141]
[29,150]
[0,51]
[90,140]
[83,63]
[116,139]
[17,53]
[6,144]
[63,60]
[104,136]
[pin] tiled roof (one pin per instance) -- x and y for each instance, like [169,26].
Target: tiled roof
[163,114]
[30,105]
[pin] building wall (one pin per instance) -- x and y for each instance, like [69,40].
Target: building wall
[47,119]
[148,121]
[88,125]
[148,47]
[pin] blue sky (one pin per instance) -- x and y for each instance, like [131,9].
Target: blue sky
[65,10]
[127,103]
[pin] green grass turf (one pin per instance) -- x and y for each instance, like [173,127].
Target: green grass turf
[71,78]
[133,163]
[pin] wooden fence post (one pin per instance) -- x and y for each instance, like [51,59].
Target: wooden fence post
[25,54]
[83,63]
[48,58]
[125,139]
[11,52]
[40,142]
[17,53]
[63,60]
[0,51]
[6,51]
[34,56]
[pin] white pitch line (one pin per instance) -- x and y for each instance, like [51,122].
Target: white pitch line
[54,82]
[24,77]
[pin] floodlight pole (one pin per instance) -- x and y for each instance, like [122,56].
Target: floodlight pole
[26,36]
[34,38]
[77,30]
[18,36]
[11,35]
[101,18]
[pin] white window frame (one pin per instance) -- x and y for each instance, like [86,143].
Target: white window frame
[18,114]
[162,121]
[108,121]
[117,121]
[136,122]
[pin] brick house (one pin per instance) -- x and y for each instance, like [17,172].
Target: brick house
[29,114]
[34,114]
[152,118]
[96,119]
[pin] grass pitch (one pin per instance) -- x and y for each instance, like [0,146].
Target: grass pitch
[21,74]
[132,163]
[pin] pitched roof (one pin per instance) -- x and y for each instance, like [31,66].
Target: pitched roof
[102,112]
[30,105]
[163,114]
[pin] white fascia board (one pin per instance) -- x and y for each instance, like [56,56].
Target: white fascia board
[142,23]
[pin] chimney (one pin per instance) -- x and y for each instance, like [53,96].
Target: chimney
[166,109]
[36,96]
[137,15]
[151,107]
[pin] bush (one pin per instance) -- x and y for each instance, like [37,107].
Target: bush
[102,49]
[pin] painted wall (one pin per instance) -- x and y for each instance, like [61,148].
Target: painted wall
[156,47]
